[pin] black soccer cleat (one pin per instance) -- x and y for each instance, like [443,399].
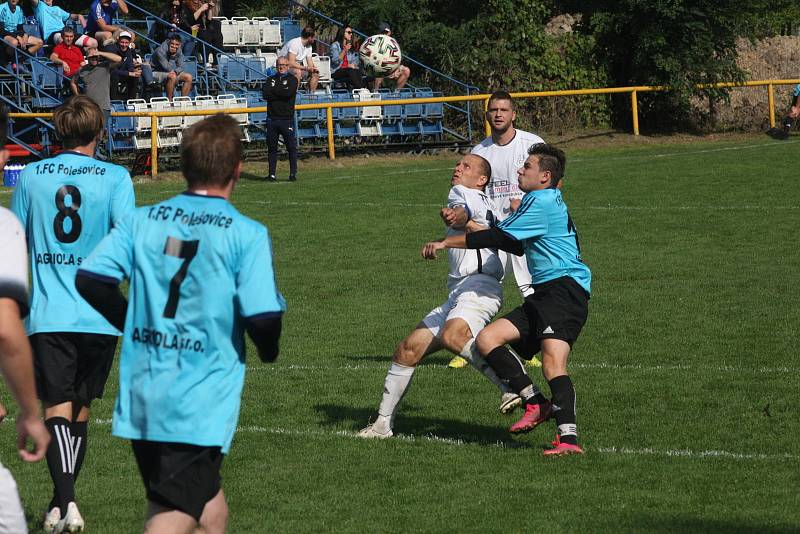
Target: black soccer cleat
[292,178]
[271,178]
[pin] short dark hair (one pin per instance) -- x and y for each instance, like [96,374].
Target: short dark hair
[175,37]
[501,95]
[484,167]
[78,121]
[551,159]
[308,31]
[68,29]
[211,150]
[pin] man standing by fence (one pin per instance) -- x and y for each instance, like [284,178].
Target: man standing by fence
[280,92]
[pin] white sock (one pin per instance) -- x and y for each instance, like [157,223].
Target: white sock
[394,388]
[471,354]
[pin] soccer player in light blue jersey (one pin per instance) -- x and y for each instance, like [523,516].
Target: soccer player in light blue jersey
[550,320]
[67,204]
[200,275]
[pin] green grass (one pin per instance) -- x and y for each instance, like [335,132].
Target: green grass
[686,372]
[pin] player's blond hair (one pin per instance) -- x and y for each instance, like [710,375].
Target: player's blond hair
[78,121]
[211,151]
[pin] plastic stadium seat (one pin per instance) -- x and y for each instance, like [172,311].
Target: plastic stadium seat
[323,63]
[307,115]
[250,32]
[230,32]
[256,69]
[32,29]
[410,111]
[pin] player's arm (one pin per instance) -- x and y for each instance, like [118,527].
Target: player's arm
[113,58]
[491,238]
[456,217]
[514,204]
[122,6]
[265,331]
[104,295]
[16,363]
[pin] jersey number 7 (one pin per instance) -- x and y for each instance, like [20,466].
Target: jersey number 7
[186,250]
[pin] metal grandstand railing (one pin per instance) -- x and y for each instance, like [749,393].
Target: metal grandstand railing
[461,87]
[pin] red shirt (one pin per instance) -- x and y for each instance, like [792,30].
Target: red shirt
[72,56]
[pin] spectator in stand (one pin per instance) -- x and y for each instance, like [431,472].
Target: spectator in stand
[134,75]
[401,74]
[101,15]
[11,21]
[96,79]
[174,13]
[67,54]
[298,50]
[167,63]
[345,64]
[52,19]
[280,91]
[203,26]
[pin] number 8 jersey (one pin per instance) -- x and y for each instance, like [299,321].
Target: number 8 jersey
[67,205]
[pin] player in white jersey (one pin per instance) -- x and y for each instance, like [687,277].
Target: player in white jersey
[16,361]
[475,296]
[506,151]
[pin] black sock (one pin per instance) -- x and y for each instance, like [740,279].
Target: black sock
[564,408]
[510,370]
[59,461]
[79,440]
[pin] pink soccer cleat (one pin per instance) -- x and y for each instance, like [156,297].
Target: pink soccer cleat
[535,414]
[560,449]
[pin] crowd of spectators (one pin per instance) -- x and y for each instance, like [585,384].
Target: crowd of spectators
[104,62]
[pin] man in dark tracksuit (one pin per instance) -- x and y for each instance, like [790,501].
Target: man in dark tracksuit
[280,91]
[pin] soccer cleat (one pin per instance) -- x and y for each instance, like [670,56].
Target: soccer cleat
[535,414]
[271,178]
[533,362]
[369,432]
[560,449]
[51,520]
[509,402]
[292,178]
[72,522]
[457,363]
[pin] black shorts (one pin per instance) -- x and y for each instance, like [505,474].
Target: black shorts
[72,366]
[51,39]
[179,476]
[556,310]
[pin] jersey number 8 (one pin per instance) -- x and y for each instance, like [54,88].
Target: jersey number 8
[68,212]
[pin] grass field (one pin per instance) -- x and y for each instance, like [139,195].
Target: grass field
[686,373]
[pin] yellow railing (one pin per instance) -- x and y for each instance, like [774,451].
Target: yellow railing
[328,106]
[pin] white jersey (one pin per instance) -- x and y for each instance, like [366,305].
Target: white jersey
[468,262]
[14,267]
[505,160]
[296,47]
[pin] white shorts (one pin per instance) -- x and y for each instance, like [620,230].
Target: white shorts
[12,517]
[519,266]
[475,299]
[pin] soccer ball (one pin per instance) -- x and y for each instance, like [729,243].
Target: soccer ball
[380,55]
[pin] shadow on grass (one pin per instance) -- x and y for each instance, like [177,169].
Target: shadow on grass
[660,523]
[420,427]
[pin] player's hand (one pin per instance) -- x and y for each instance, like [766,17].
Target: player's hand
[66,68]
[794,112]
[32,428]
[431,248]
[3,412]
[448,215]
[137,73]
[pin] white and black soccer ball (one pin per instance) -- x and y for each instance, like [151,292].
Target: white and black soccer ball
[380,55]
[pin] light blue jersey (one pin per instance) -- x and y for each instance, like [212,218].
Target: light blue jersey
[67,205]
[197,268]
[11,19]
[544,226]
[50,18]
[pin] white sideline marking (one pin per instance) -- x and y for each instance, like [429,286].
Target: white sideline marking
[412,438]
[576,365]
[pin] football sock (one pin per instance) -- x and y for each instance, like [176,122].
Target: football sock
[564,408]
[394,388]
[79,434]
[471,354]
[59,461]
[510,369]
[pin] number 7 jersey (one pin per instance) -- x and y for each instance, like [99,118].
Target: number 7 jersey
[197,269]
[67,205]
